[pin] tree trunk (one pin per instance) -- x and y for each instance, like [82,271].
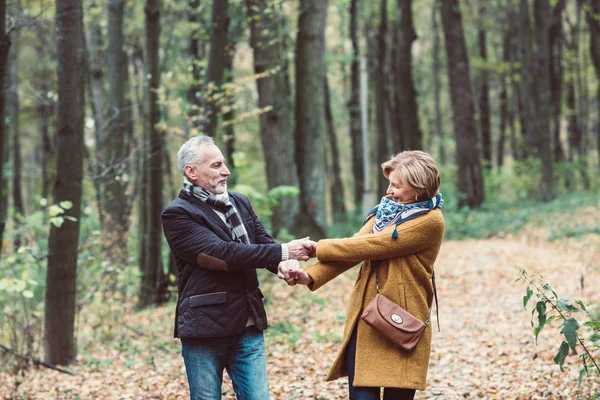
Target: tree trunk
[527,98]
[593,18]
[381,97]
[216,67]
[112,158]
[503,99]
[267,32]
[95,62]
[556,76]
[337,188]
[196,54]
[437,86]
[310,69]
[543,134]
[470,178]
[59,344]
[407,96]
[354,109]
[4,51]
[485,126]
[152,268]
[14,113]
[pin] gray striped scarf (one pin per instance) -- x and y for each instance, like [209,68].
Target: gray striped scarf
[221,203]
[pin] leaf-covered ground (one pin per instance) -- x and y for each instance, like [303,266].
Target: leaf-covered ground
[485,348]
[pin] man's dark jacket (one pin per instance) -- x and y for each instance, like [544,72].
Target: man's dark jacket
[217,283]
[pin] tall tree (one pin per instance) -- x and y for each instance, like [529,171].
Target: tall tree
[542,138]
[556,76]
[112,158]
[310,69]
[382,96]
[4,51]
[354,109]
[593,18]
[437,85]
[336,186]
[485,126]
[216,67]
[59,344]
[470,178]
[196,52]
[153,181]
[407,95]
[267,38]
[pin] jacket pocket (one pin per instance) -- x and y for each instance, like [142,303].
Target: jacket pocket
[208,299]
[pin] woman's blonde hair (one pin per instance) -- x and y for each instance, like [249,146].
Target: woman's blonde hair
[417,169]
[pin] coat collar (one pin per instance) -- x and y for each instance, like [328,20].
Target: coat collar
[208,210]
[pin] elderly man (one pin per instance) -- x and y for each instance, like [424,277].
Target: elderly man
[219,243]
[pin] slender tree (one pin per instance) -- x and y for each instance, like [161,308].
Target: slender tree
[196,52]
[310,69]
[354,109]
[407,95]
[4,51]
[485,125]
[556,76]
[267,38]
[336,186]
[153,181]
[216,67]
[59,343]
[112,159]
[381,96]
[470,178]
[437,85]
[593,18]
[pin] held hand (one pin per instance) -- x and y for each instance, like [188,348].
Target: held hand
[302,249]
[299,276]
[284,267]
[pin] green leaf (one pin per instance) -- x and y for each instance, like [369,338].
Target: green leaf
[581,375]
[593,324]
[527,297]
[541,309]
[55,210]
[67,205]
[581,304]
[570,331]
[27,293]
[567,307]
[549,288]
[561,354]
[57,221]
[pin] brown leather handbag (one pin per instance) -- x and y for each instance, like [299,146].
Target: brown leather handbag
[395,323]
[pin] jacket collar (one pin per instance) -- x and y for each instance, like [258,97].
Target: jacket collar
[208,210]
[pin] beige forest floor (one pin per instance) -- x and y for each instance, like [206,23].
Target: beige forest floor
[485,349]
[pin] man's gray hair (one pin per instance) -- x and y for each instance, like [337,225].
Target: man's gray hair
[188,153]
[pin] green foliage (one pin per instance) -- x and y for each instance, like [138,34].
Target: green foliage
[570,328]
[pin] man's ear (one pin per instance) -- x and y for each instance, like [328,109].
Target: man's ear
[190,173]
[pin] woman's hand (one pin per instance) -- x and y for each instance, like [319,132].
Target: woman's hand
[291,272]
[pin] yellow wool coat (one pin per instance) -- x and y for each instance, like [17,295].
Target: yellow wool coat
[405,268]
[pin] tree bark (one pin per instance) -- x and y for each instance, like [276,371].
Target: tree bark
[485,126]
[437,86]
[95,63]
[152,269]
[4,51]
[593,18]
[470,178]
[407,96]
[381,97]
[59,344]
[216,66]
[112,158]
[543,134]
[556,76]
[336,186]
[309,135]
[196,52]
[503,99]
[271,67]
[354,109]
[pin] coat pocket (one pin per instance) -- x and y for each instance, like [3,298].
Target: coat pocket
[208,299]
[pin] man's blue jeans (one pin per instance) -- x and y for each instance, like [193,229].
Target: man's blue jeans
[243,355]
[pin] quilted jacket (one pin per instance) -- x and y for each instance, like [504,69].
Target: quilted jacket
[217,283]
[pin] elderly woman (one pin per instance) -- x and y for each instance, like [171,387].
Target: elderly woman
[401,238]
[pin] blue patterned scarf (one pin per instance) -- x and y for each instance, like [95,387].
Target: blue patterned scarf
[221,203]
[389,212]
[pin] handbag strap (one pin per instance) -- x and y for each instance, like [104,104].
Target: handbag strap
[437,314]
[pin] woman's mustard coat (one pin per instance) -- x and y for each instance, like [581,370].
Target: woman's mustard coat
[405,268]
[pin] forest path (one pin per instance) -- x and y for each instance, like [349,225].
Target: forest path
[485,348]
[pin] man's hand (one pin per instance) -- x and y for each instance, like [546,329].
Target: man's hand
[302,249]
[291,272]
